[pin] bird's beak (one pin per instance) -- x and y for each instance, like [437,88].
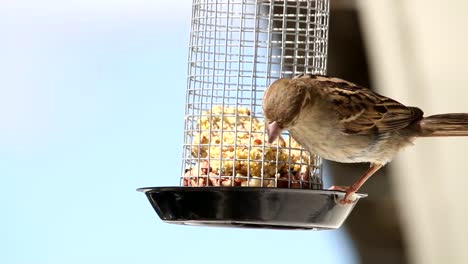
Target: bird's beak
[274,130]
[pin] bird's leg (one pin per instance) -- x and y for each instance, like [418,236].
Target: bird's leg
[350,190]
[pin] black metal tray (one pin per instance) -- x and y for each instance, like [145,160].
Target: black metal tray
[274,208]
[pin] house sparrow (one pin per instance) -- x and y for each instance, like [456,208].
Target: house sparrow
[344,122]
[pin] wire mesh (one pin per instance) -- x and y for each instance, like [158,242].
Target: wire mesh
[237,48]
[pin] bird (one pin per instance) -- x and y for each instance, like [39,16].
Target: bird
[348,123]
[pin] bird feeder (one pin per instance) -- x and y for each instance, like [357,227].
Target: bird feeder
[230,175]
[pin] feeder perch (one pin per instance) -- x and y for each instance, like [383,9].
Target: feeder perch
[230,176]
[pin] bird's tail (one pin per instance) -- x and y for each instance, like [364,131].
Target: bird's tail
[444,125]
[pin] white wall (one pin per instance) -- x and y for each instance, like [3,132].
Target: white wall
[419,55]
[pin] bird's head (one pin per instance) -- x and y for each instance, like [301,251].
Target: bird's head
[282,103]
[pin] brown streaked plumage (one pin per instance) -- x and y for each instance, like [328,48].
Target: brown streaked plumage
[344,122]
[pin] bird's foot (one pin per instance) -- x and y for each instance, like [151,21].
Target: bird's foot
[349,197]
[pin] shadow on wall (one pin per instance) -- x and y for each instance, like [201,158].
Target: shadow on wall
[374,225]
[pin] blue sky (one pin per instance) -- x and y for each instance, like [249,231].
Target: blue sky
[84,122]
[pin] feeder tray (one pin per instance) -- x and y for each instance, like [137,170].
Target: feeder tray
[273,208]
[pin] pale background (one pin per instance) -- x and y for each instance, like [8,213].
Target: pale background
[84,122]
[91,108]
[418,54]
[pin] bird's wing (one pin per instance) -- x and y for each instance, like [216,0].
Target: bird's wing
[362,111]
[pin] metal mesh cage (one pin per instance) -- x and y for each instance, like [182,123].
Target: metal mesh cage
[237,48]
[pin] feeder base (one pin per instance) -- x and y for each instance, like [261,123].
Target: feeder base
[250,207]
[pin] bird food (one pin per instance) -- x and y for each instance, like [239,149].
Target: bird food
[230,148]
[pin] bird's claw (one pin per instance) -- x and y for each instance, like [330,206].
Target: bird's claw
[349,197]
